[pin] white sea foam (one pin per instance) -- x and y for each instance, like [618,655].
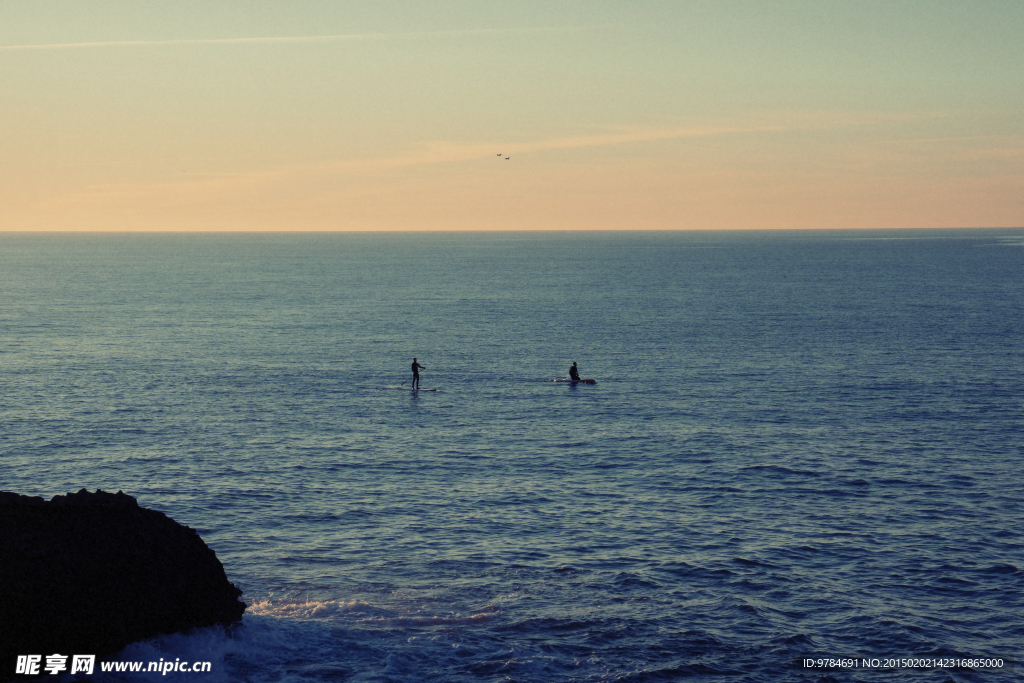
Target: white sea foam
[308,609]
[362,612]
[456,620]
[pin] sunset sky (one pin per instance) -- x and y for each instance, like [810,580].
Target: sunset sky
[391,115]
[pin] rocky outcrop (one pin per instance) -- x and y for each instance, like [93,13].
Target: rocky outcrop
[89,573]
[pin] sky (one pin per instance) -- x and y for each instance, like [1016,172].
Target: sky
[328,115]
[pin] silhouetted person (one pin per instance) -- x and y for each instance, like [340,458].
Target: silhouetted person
[573,372]
[416,367]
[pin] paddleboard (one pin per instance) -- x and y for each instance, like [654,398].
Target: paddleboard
[578,381]
[400,388]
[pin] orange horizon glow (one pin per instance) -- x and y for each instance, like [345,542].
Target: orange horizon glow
[667,118]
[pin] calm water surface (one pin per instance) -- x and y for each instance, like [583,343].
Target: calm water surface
[803,444]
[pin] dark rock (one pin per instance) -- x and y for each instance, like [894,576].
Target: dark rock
[90,573]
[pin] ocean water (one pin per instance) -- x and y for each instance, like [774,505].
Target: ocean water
[800,445]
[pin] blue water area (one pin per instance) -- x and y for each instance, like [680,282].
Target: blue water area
[800,445]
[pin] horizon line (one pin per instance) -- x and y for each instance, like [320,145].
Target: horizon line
[496,230]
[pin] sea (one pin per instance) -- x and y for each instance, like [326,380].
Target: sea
[802,458]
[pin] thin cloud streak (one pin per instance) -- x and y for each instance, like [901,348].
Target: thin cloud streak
[446,152]
[269,40]
[430,153]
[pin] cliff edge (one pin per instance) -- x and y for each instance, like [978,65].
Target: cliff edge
[90,573]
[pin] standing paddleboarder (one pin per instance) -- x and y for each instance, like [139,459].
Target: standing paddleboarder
[416,367]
